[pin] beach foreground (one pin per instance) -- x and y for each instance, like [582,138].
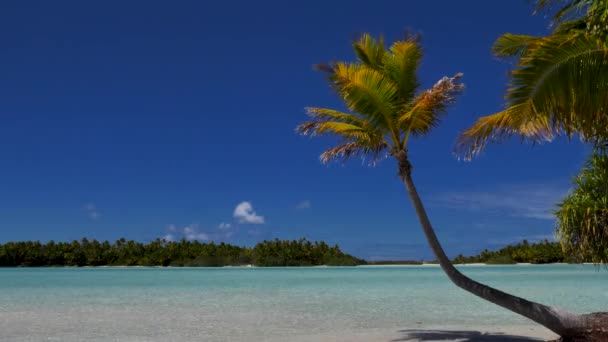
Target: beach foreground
[415,303]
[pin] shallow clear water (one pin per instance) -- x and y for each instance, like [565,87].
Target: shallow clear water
[254,304]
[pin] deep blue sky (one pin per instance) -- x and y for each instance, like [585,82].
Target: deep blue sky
[147,118]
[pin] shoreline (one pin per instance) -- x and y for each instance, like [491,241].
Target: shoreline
[423,265]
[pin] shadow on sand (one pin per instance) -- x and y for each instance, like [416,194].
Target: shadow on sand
[460,336]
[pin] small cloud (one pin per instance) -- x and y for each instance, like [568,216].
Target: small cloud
[191,233]
[91,210]
[245,214]
[224,226]
[304,205]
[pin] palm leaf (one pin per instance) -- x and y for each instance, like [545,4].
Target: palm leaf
[368,92]
[509,44]
[426,111]
[517,120]
[370,51]
[354,148]
[561,84]
[401,65]
[335,115]
[567,80]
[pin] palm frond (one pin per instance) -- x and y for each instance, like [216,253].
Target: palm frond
[517,120]
[566,9]
[509,45]
[427,108]
[401,65]
[567,80]
[370,51]
[367,91]
[355,148]
[335,115]
[340,129]
[561,84]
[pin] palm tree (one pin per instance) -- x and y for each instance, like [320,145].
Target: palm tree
[385,109]
[559,85]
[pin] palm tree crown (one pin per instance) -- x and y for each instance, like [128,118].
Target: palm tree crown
[559,85]
[380,91]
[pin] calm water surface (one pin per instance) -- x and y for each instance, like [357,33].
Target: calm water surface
[256,304]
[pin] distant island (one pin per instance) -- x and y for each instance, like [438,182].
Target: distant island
[544,252]
[266,253]
[172,253]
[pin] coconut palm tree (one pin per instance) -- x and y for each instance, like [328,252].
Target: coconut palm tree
[559,85]
[386,108]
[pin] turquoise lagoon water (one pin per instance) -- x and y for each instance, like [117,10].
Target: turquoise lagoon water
[274,304]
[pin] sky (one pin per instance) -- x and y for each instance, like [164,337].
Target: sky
[151,119]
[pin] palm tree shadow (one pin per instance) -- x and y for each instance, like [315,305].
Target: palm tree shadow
[460,336]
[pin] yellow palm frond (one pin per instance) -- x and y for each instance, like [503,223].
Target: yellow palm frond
[425,112]
[519,119]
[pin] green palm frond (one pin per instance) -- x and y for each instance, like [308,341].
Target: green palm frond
[367,91]
[567,80]
[370,51]
[578,16]
[426,110]
[516,120]
[509,45]
[401,65]
[561,83]
[325,114]
[340,129]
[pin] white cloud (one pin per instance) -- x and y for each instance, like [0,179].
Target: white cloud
[191,233]
[304,205]
[245,214]
[91,210]
[530,201]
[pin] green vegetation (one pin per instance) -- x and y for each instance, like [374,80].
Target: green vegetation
[559,85]
[162,253]
[536,253]
[582,217]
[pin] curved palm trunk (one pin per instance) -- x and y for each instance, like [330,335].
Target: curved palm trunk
[569,326]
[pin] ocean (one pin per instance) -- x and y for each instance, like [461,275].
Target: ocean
[276,304]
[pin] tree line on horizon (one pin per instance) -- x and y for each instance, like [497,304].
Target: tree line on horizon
[172,253]
[267,253]
[543,252]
